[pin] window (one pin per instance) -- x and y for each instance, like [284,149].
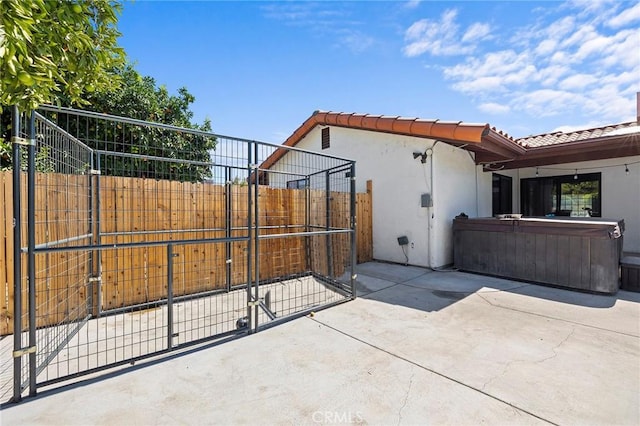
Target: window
[263,178]
[325,138]
[297,184]
[570,195]
[502,194]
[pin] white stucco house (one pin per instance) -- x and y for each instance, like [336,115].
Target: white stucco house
[426,172]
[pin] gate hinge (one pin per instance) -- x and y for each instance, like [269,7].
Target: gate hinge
[95,172]
[23,141]
[24,351]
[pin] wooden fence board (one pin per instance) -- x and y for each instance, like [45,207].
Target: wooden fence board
[137,275]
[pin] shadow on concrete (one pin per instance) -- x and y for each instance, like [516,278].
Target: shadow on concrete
[429,290]
[126,368]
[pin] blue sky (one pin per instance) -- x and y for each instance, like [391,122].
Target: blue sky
[259,69]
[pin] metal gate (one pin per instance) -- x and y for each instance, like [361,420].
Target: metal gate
[127,244]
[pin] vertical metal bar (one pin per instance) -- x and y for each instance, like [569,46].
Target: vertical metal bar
[252,178]
[256,213]
[307,223]
[17,263]
[328,223]
[98,236]
[227,220]
[354,258]
[31,241]
[92,273]
[169,296]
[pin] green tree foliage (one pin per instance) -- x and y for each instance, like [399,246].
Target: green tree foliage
[51,48]
[141,98]
[66,53]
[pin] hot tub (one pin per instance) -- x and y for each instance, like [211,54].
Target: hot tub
[578,253]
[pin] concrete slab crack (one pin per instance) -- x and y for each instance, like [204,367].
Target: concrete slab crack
[555,353]
[491,380]
[406,398]
[509,364]
[431,370]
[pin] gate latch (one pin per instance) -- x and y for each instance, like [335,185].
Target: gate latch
[24,351]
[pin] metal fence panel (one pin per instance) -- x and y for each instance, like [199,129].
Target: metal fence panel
[138,244]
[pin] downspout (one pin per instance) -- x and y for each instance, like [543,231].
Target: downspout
[475,172]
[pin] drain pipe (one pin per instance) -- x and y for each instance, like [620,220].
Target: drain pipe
[431,218]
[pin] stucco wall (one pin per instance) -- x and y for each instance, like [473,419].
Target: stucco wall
[460,187]
[399,180]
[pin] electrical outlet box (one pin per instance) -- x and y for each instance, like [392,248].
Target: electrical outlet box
[426,201]
[403,241]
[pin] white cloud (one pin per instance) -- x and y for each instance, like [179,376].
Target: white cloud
[412,4]
[551,75]
[546,102]
[579,37]
[573,128]
[626,78]
[577,58]
[356,41]
[546,46]
[495,71]
[476,32]
[561,27]
[625,17]
[494,108]
[596,10]
[442,38]
[324,20]
[577,81]
[437,38]
[623,50]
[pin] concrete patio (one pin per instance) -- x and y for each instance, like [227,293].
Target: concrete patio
[416,347]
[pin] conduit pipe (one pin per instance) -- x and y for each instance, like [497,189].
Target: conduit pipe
[432,217]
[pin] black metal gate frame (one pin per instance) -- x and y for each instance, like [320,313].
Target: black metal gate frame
[96,247]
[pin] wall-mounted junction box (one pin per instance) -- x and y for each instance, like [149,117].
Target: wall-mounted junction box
[426,201]
[403,241]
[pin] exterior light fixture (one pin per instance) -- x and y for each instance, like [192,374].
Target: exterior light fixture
[626,169]
[421,155]
[537,171]
[575,177]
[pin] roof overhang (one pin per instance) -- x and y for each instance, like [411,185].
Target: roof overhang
[478,138]
[616,146]
[492,148]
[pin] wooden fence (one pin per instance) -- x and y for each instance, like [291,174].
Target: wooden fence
[142,210]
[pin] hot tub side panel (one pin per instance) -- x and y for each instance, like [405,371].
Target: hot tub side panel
[506,249]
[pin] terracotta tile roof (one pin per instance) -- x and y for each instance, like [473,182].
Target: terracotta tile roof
[548,139]
[456,132]
[451,130]
[490,145]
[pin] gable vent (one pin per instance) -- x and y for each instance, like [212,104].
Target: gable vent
[325,138]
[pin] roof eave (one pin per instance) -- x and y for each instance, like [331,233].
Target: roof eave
[585,150]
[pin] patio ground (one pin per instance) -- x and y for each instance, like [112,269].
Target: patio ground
[416,347]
